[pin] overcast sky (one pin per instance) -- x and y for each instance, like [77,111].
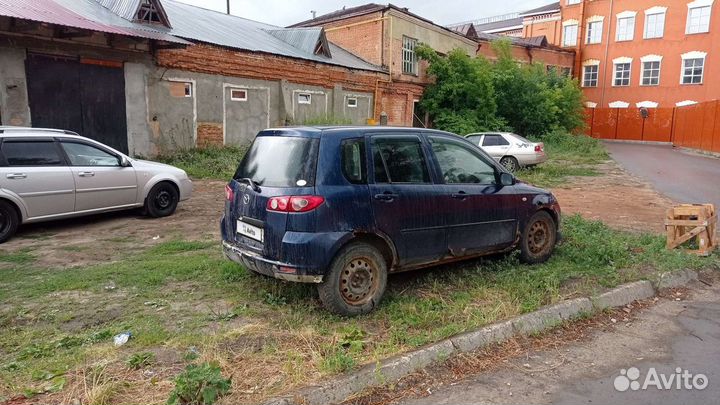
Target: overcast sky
[284,13]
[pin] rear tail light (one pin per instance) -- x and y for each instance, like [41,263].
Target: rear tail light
[302,203]
[539,147]
[229,194]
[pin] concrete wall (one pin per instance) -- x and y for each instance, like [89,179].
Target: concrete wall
[14,109]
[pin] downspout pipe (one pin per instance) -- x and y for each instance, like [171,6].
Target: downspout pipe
[607,52]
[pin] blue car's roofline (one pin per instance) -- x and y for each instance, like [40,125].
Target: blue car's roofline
[319,131]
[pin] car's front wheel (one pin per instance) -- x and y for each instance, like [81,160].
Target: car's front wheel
[9,221]
[162,200]
[538,238]
[355,282]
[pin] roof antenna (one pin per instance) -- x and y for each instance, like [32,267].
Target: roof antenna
[313,12]
[228,7]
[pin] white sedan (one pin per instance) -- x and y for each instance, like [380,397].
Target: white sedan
[511,150]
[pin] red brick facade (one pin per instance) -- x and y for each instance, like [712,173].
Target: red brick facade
[209,134]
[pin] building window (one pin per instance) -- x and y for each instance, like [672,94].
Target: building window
[594,32]
[566,71]
[698,20]
[650,73]
[409,59]
[571,2]
[654,24]
[181,89]
[570,33]
[693,70]
[625,28]
[352,102]
[619,104]
[304,98]
[238,94]
[622,74]
[590,76]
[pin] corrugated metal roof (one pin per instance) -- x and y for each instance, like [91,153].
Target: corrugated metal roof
[212,27]
[548,8]
[305,39]
[83,14]
[124,8]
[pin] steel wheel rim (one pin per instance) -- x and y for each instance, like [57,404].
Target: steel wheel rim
[163,199]
[359,280]
[539,237]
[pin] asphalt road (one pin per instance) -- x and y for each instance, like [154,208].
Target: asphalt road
[668,335]
[683,176]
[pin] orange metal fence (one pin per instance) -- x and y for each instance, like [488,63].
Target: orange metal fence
[695,126]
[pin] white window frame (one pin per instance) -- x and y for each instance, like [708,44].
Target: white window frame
[233,98]
[655,11]
[699,5]
[352,105]
[590,63]
[692,56]
[647,104]
[685,103]
[619,104]
[300,97]
[647,59]
[572,2]
[594,36]
[621,61]
[570,24]
[409,56]
[627,34]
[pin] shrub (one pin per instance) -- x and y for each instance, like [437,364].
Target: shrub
[199,384]
[140,360]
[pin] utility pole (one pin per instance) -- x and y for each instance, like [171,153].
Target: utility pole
[313,12]
[228,7]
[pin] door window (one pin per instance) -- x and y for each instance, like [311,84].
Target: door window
[31,153]
[475,139]
[353,160]
[81,154]
[495,140]
[399,160]
[460,164]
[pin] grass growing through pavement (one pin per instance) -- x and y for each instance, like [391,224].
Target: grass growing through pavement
[206,163]
[568,155]
[185,299]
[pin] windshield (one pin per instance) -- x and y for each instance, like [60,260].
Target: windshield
[280,161]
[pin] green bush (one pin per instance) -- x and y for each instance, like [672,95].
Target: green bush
[199,385]
[207,163]
[470,94]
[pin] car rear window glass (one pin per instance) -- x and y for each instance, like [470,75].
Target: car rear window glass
[475,139]
[399,161]
[353,160]
[31,153]
[280,161]
[521,139]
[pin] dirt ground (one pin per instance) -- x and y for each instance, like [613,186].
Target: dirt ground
[615,197]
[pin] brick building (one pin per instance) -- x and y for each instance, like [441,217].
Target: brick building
[387,35]
[149,76]
[644,53]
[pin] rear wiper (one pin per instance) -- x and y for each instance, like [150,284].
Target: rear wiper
[252,184]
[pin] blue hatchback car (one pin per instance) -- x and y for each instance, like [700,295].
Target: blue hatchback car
[342,207]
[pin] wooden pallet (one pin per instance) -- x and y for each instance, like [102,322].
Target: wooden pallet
[687,221]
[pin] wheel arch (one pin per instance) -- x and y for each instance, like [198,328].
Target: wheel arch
[19,207]
[381,242]
[149,186]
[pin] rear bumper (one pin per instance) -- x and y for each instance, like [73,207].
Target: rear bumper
[530,160]
[257,263]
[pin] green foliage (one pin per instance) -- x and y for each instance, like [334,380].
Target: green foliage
[199,384]
[472,94]
[213,162]
[140,360]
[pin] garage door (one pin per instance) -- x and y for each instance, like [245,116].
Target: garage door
[87,98]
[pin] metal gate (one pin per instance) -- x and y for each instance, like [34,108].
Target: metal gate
[87,98]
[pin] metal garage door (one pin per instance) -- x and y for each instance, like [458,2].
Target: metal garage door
[87,98]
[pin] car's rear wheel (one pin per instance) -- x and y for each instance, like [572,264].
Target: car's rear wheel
[355,282]
[162,200]
[538,239]
[9,221]
[510,163]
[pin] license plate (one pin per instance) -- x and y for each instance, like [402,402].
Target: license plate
[251,231]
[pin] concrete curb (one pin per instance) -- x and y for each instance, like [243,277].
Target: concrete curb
[547,317]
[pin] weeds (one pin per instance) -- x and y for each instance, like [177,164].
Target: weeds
[140,360]
[207,163]
[199,384]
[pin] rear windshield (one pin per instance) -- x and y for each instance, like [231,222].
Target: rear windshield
[280,161]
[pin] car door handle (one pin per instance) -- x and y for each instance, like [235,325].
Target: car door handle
[16,176]
[386,197]
[460,195]
[86,174]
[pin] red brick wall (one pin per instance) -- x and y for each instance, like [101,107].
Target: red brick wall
[209,134]
[360,34]
[539,55]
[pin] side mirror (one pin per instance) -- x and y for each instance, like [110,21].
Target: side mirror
[507,179]
[125,162]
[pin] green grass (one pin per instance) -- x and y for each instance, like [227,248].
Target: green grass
[568,155]
[22,256]
[181,295]
[218,163]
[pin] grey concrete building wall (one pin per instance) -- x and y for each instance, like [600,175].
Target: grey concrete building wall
[14,108]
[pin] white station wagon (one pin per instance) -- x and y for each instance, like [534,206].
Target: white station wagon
[511,150]
[50,174]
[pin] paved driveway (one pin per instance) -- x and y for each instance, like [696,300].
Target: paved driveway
[684,177]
